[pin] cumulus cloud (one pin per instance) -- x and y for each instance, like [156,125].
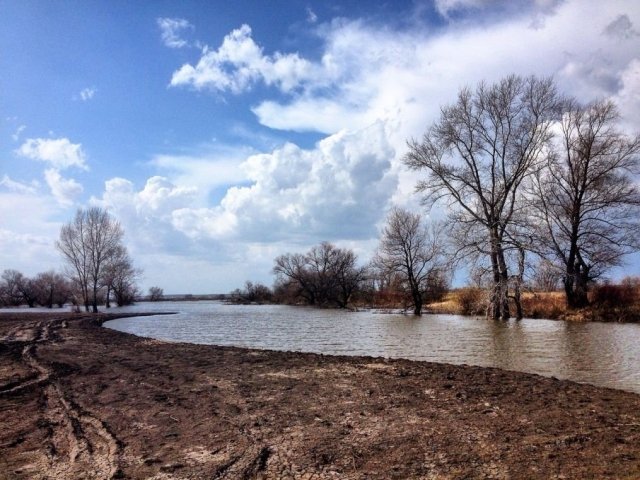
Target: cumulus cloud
[238,63]
[159,197]
[64,190]
[147,213]
[337,190]
[170,30]
[59,153]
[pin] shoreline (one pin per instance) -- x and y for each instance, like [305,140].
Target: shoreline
[79,398]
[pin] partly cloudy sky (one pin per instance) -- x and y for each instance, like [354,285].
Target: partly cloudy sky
[221,134]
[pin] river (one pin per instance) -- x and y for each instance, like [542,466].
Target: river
[603,354]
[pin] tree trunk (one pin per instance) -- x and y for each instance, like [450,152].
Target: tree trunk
[416,295]
[505,314]
[417,306]
[499,308]
[95,299]
[517,295]
[493,309]
[575,288]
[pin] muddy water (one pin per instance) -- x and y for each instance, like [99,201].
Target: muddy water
[603,354]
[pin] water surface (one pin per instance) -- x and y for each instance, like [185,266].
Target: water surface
[604,354]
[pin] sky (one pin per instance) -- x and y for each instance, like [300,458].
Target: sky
[222,134]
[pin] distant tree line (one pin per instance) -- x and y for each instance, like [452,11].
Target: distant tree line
[99,268]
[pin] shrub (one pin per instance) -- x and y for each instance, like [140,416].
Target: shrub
[472,301]
[613,296]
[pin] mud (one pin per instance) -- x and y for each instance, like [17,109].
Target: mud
[81,401]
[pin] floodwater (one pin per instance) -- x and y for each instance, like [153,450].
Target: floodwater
[603,354]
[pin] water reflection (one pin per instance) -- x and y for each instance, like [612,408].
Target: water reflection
[600,353]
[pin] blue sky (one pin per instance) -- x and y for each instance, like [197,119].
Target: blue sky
[221,134]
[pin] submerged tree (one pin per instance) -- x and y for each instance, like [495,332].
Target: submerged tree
[477,155]
[413,255]
[52,289]
[586,199]
[326,275]
[156,294]
[88,244]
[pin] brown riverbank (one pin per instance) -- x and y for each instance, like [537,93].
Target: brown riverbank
[79,401]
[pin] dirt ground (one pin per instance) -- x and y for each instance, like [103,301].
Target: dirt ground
[81,401]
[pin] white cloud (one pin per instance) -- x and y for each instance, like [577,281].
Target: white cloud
[60,153]
[64,190]
[336,191]
[170,30]
[28,231]
[147,214]
[311,15]
[206,168]
[16,135]
[238,63]
[87,93]
[17,187]
[367,74]
[628,97]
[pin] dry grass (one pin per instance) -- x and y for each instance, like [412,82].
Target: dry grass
[609,303]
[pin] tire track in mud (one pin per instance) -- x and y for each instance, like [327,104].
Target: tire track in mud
[90,445]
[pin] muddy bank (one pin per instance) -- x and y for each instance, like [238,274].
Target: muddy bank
[80,401]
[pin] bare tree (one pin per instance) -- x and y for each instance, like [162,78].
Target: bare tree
[88,243]
[546,276]
[119,276]
[17,289]
[156,294]
[326,275]
[586,199]
[51,289]
[252,293]
[412,254]
[477,156]
[291,269]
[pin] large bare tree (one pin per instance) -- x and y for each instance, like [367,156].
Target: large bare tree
[87,244]
[413,254]
[477,156]
[587,201]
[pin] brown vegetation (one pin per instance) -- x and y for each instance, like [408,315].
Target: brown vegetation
[607,302]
